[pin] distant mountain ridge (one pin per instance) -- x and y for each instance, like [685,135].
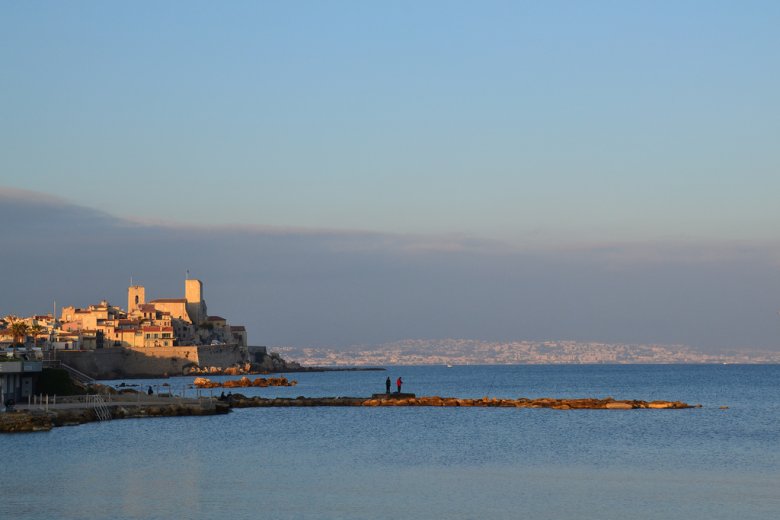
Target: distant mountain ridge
[474,352]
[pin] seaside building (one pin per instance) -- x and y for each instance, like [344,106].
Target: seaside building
[163,322]
[18,378]
[150,338]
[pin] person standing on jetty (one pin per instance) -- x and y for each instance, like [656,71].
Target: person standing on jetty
[387,385]
[398,383]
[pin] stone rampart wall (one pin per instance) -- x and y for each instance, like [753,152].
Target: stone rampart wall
[119,362]
[220,355]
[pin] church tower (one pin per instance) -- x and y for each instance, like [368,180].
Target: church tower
[196,307]
[136,295]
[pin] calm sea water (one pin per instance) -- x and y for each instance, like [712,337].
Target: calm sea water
[453,463]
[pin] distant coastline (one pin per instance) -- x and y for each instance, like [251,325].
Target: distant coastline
[476,352]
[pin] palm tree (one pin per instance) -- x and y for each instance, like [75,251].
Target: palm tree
[35,331]
[19,329]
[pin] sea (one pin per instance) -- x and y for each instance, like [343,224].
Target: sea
[720,461]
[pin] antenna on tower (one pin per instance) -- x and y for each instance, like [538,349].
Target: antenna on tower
[187,275]
[131,280]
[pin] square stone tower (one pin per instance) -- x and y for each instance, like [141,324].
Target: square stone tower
[196,307]
[136,295]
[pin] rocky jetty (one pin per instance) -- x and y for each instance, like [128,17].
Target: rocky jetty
[131,406]
[244,382]
[240,401]
[72,415]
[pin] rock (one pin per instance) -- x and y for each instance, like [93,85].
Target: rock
[244,382]
[660,405]
[19,422]
[237,383]
[618,405]
[202,382]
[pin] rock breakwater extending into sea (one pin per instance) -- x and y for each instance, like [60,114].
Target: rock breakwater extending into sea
[240,401]
[72,414]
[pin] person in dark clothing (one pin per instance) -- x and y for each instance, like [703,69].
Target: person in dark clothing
[150,391]
[387,385]
[398,383]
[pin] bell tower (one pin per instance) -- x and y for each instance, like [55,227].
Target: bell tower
[196,307]
[136,295]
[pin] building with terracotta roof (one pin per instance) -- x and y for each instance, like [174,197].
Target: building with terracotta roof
[163,322]
[187,316]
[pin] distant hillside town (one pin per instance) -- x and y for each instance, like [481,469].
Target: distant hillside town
[476,352]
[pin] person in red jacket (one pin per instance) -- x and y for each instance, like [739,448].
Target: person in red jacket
[398,383]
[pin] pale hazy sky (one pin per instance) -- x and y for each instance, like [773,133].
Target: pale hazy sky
[639,133]
[514,120]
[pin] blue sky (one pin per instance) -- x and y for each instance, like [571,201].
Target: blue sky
[527,122]
[426,147]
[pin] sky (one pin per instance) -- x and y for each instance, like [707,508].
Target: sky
[348,172]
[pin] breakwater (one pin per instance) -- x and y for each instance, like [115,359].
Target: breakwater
[129,407]
[608,403]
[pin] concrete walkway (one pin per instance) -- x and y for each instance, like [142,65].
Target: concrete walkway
[74,403]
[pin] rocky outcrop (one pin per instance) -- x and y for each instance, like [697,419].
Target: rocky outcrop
[235,370]
[244,382]
[273,362]
[267,363]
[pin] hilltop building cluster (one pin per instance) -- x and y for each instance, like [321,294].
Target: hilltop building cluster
[165,322]
[149,339]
